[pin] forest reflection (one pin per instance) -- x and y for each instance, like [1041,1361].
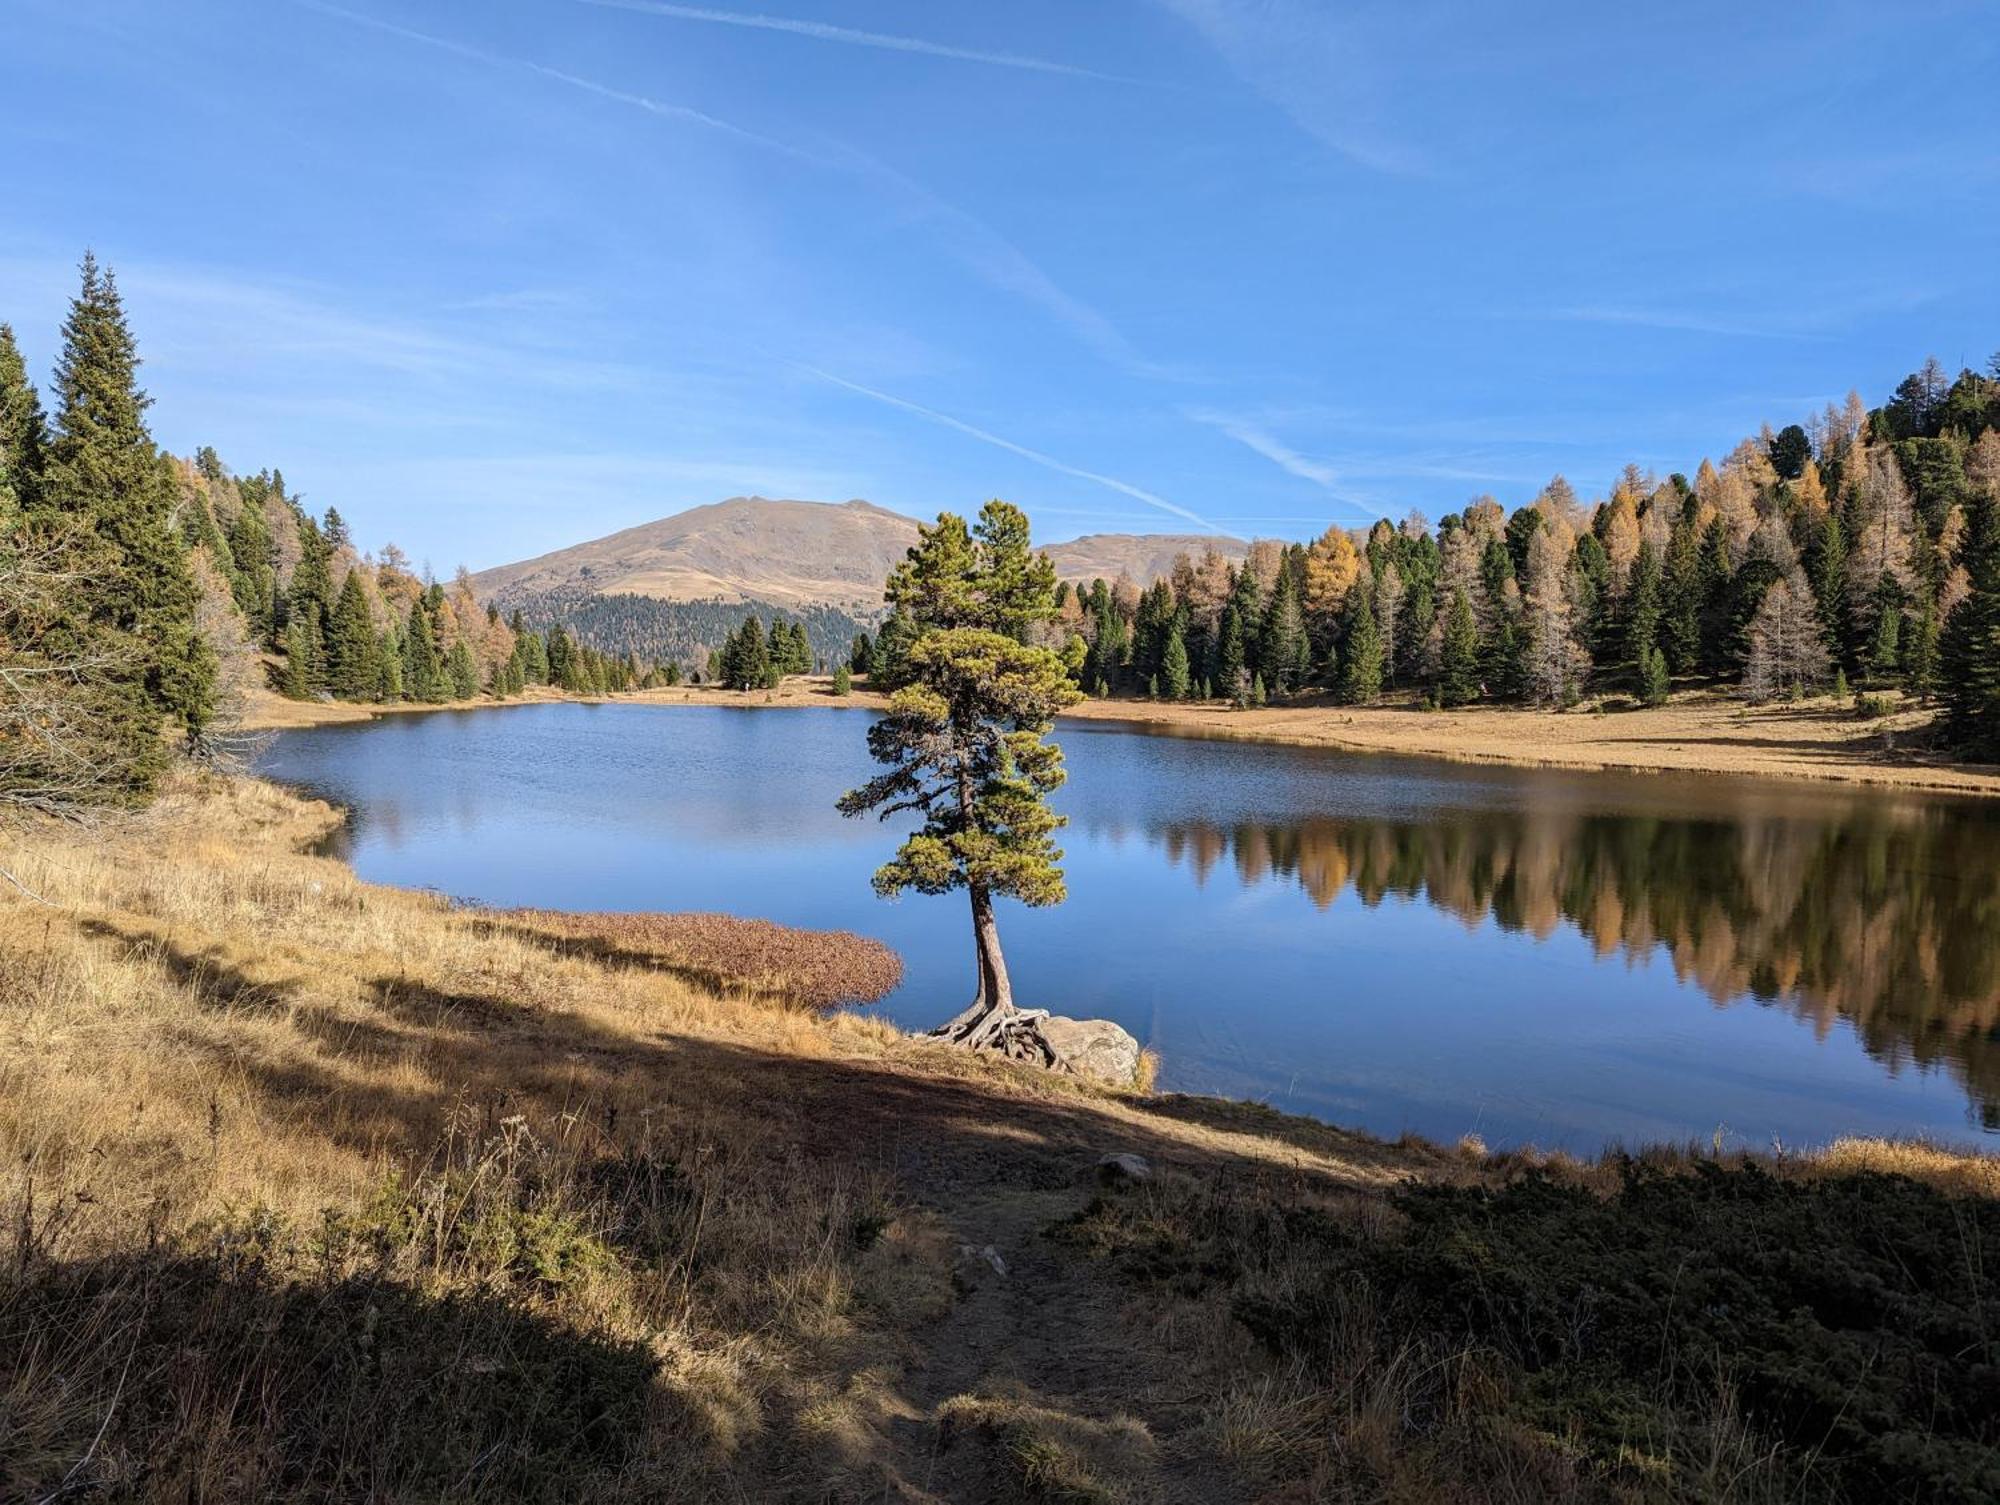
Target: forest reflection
[1888,919]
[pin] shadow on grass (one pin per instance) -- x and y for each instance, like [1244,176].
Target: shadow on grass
[156,1376]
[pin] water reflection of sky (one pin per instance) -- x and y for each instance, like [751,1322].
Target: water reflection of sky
[1568,959]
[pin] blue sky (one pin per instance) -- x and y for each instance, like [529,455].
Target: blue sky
[496,277]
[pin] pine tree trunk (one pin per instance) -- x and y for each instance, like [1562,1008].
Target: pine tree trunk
[993,1022]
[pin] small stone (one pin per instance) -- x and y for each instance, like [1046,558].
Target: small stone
[973,1265]
[1122,1169]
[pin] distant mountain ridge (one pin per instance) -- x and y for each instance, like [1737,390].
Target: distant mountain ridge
[787,553]
[791,554]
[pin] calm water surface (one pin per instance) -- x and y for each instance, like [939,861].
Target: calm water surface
[1526,955]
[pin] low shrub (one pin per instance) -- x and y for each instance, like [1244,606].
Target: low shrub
[1824,1336]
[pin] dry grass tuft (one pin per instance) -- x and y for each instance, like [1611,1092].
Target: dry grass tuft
[815,969]
[1041,1452]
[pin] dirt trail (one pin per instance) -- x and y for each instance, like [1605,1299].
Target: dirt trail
[1058,1333]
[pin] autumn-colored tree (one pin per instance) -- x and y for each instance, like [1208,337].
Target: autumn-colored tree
[1332,565]
[1787,653]
[1554,662]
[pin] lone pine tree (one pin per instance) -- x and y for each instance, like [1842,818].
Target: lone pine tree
[965,745]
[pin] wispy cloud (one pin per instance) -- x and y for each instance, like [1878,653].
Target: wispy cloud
[1308,61]
[666,110]
[974,244]
[1062,467]
[1673,319]
[1270,447]
[1000,263]
[1824,315]
[825,32]
[1254,436]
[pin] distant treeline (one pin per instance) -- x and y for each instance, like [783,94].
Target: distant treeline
[688,633]
[1861,549]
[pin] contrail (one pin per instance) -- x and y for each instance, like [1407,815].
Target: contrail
[1124,488]
[825,32]
[978,247]
[661,108]
[1280,454]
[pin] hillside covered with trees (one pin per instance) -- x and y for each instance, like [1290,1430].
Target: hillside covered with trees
[138,589]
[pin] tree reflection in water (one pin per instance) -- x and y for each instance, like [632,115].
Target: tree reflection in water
[1886,917]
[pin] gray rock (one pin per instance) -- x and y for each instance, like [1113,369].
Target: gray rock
[1094,1048]
[1120,1169]
[976,1267]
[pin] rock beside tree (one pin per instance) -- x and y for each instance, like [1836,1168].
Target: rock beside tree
[1094,1048]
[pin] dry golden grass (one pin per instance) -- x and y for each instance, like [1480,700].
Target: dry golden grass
[814,969]
[1701,732]
[314,1189]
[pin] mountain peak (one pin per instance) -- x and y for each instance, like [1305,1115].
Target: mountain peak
[792,553]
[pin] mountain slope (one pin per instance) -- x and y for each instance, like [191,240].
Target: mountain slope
[786,553]
[1146,557]
[790,554]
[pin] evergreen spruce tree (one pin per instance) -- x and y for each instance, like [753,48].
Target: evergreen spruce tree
[255,582]
[1653,677]
[1885,650]
[1680,627]
[1826,572]
[24,433]
[1458,660]
[295,678]
[462,672]
[1718,624]
[861,655]
[1108,646]
[746,662]
[353,660]
[1643,610]
[388,668]
[1282,646]
[1229,655]
[534,653]
[843,680]
[310,595]
[1920,649]
[1174,673]
[728,661]
[758,668]
[886,659]
[1970,653]
[102,471]
[562,658]
[1361,650]
[423,673]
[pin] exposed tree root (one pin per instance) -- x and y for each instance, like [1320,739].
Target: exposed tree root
[1006,1030]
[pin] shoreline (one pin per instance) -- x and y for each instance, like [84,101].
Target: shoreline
[1698,732]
